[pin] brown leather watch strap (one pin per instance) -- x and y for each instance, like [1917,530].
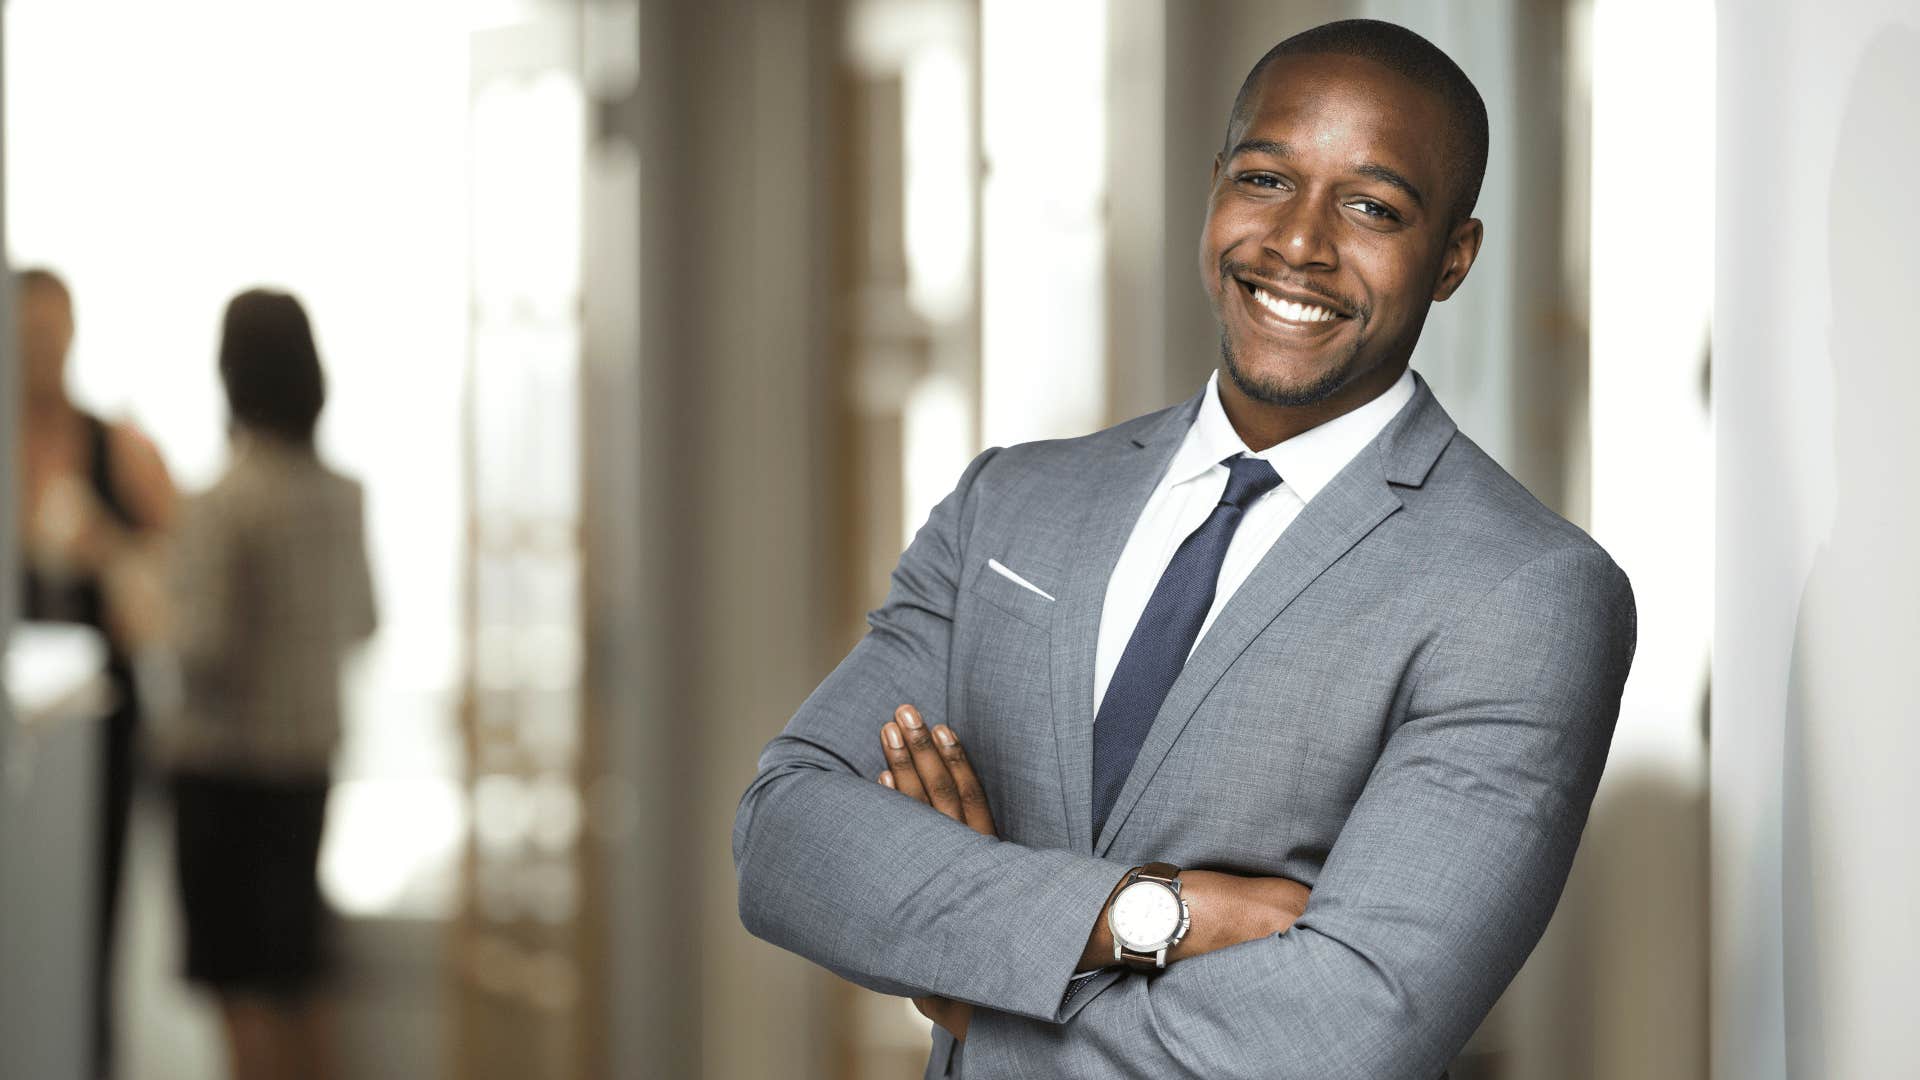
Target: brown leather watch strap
[1165,873]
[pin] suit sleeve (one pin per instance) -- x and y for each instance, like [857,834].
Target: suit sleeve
[875,886]
[1438,887]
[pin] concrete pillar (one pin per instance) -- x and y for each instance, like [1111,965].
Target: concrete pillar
[709,496]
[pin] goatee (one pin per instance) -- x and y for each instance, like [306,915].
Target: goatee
[1271,393]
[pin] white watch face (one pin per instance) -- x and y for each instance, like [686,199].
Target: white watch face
[1145,916]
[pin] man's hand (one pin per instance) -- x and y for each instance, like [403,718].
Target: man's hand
[931,767]
[1229,909]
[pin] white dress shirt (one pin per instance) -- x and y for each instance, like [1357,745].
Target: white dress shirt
[1192,487]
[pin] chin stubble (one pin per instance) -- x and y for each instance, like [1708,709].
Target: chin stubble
[1272,393]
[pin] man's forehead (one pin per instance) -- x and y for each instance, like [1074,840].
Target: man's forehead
[1292,80]
[1346,96]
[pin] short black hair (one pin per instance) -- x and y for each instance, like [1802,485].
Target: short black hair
[271,367]
[1407,54]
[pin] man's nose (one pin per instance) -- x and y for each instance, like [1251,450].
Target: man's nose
[1301,236]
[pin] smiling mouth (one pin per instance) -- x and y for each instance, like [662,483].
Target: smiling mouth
[1294,312]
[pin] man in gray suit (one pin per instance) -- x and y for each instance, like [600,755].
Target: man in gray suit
[1282,708]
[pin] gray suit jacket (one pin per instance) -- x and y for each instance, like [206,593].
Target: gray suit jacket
[1407,706]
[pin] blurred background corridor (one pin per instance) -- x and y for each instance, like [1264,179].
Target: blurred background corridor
[652,329]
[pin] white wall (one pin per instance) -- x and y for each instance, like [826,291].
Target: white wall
[1816,869]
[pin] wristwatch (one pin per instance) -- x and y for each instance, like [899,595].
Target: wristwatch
[1148,917]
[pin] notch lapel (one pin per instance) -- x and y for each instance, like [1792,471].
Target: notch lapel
[1117,487]
[1344,512]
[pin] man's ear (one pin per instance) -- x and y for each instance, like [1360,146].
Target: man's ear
[1213,178]
[1463,246]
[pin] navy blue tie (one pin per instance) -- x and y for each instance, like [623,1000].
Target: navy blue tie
[1165,634]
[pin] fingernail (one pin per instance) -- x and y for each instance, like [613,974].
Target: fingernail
[943,735]
[887,778]
[893,737]
[910,718]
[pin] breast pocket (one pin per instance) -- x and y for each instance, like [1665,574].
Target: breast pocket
[1000,698]
[1017,600]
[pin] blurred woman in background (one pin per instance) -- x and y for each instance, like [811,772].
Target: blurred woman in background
[96,500]
[271,587]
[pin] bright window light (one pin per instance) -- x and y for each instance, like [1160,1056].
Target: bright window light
[162,157]
[1652,298]
[1044,255]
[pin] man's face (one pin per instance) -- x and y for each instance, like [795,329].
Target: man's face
[46,332]
[1329,231]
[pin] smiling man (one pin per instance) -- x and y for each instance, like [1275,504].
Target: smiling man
[1253,737]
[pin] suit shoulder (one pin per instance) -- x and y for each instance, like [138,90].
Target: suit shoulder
[231,496]
[343,489]
[1480,516]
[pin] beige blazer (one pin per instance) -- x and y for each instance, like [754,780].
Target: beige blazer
[270,587]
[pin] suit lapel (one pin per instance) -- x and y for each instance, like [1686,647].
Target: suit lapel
[1344,512]
[1117,487]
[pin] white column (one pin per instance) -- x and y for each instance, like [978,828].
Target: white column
[1642,875]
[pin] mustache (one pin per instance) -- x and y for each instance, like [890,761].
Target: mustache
[1234,268]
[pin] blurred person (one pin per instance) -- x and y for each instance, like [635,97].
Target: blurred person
[1283,707]
[95,500]
[271,588]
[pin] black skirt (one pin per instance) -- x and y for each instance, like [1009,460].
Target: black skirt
[247,854]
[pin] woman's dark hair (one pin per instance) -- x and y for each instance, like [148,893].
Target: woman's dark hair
[270,366]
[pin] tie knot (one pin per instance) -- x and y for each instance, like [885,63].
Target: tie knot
[1252,477]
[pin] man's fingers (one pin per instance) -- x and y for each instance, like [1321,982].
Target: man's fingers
[973,797]
[942,795]
[906,779]
[932,767]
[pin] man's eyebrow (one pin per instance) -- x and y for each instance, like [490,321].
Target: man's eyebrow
[1260,146]
[1388,176]
[1369,169]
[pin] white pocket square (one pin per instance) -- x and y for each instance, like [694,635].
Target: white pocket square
[997,567]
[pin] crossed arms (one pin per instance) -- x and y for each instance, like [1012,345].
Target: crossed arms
[932,768]
[1440,883]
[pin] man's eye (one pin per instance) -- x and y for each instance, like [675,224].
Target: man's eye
[1265,180]
[1372,209]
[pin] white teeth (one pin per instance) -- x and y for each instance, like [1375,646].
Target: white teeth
[1291,311]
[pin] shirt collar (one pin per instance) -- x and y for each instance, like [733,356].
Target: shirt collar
[1308,461]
